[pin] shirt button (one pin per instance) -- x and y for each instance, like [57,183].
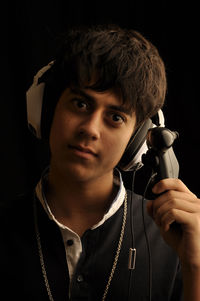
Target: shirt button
[79,278]
[70,242]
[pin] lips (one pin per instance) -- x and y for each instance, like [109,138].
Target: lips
[86,150]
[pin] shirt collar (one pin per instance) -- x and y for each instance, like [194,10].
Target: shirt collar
[115,205]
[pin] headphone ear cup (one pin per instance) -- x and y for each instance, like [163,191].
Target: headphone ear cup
[136,147]
[34,101]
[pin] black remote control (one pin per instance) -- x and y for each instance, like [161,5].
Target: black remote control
[160,157]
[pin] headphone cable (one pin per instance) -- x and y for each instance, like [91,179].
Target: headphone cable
[146,235]
[133,247]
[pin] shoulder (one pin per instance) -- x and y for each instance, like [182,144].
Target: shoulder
[144,226]
[136,203]
[131,195]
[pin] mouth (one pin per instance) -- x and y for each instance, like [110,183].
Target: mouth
[82,151]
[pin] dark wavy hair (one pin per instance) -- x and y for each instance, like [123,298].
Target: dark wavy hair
[104,57]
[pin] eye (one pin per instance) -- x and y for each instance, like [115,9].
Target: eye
[80,104]
[116,118]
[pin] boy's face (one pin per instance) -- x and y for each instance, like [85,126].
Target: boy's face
[89,133]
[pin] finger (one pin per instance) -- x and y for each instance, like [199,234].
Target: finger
[171,184]
[189,221]
[183,205]
[176,199]
[171,216]
[149,207]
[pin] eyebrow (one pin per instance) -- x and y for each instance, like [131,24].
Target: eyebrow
[121,109]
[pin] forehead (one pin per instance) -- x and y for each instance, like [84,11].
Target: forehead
[106,96]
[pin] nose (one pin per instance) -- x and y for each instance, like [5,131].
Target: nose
[91,126]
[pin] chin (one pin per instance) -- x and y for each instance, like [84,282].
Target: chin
[89,176]
[78,173]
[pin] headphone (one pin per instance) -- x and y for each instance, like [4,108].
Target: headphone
[137,146]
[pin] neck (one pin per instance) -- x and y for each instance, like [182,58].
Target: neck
[71,200]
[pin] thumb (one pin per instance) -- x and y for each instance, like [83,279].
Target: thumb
[149,207]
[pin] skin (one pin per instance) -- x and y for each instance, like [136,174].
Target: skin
[178,204]
[95,120]
[85,118]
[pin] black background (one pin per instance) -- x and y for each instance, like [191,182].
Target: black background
[28,32]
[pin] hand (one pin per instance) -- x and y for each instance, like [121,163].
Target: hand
[176,211]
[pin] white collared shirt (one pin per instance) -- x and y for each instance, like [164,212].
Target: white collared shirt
[72,241]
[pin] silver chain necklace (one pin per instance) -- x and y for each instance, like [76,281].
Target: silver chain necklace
[40,252]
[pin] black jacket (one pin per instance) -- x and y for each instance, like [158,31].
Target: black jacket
[21,274]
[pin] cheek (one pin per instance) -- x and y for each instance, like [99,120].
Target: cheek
[116,146]
[59,130]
